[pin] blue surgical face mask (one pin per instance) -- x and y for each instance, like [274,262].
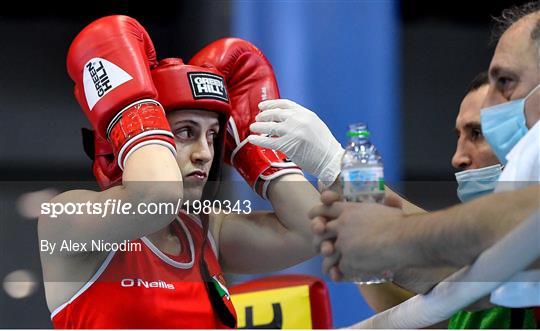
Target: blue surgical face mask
[504,125]
[477,182]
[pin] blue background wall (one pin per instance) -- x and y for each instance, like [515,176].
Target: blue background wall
[339,59]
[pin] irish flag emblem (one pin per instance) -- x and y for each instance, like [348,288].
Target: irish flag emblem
[220,287]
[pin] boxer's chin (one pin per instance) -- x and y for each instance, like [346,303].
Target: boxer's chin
[192,191]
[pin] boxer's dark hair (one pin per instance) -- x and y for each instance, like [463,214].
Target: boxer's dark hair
[513,14]
[480,80]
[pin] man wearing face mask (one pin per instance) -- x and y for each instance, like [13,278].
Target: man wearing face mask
[454,236]
[479,176]
[480,168]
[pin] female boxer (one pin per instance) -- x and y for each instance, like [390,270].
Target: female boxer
[160,137]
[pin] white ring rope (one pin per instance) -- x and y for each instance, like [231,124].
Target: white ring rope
[512,254]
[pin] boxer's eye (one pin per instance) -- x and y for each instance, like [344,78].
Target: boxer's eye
[184,133]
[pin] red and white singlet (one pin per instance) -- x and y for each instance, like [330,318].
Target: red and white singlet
[149,289]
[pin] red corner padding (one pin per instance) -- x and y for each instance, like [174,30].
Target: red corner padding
[283,302]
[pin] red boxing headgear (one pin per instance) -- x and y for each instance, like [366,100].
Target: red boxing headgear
[182,86]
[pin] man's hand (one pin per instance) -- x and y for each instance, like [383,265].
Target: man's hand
[359,238]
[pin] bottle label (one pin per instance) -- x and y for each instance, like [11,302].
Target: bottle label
[362,181]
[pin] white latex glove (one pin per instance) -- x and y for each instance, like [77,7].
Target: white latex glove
[301,135]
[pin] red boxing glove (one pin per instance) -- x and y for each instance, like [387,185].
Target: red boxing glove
[250,80]
[110,62]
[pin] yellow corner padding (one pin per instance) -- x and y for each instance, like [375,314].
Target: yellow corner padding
[283,308]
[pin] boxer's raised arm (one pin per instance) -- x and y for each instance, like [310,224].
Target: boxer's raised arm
[110,62]
[261,241]
[270,241]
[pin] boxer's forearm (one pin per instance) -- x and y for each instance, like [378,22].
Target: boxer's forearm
[270,241]
[151,174]
[152,163]
[292,196]
[456,236]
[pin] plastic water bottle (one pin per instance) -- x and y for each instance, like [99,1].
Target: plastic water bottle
[362,171]
[362,179]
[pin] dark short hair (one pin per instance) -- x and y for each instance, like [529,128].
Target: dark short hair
[513,14]
[480,80]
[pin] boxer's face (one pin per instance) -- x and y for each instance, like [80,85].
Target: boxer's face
[515,68]
[472,150]
[194,133]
